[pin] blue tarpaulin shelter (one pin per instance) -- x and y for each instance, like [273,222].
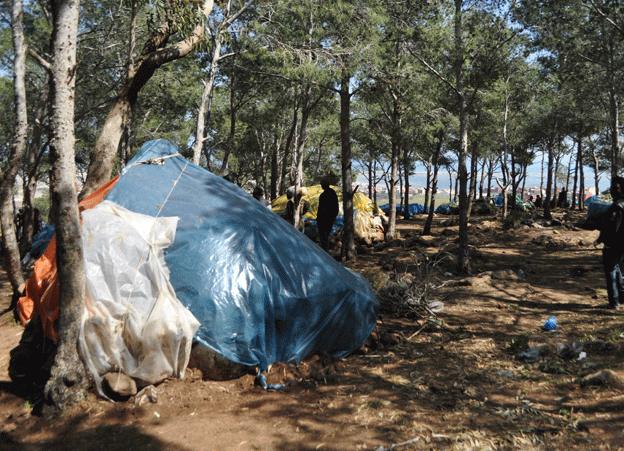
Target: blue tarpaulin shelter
[261,290]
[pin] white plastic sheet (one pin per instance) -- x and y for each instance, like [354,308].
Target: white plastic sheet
[133,322]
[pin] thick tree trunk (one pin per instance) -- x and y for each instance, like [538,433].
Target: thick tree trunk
[348,244]
[68,378]
[10,246]
[155,54]
[204,107]
[549,183]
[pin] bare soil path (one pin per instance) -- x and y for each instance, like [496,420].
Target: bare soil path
[458,384]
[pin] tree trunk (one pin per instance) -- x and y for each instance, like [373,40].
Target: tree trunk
[549,180]
[576,171]
[427,186]
[450,174]
[482,179]
[274,168]
[473,178]
[434,186]
[542,177]
[68,378]
[232,135]
[581,201]
[301,140]
[10,246]
[288,149]
[596,174]
[406,184]
[348,244]
[155,54]
[463,258]
[394,169]
[490,175]
[614,110]
[206,100]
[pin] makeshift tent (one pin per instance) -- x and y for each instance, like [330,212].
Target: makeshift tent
[367,220]
[261,291]
[447,209]
[414,209]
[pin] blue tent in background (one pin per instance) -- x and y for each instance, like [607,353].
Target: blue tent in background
[262,291]
[414,209]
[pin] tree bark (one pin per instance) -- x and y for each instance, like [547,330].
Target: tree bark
[155,54]
[10,245]
[68,378]
[348,244]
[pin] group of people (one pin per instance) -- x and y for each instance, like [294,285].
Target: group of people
[326,214]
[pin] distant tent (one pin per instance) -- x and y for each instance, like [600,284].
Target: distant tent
[261,292]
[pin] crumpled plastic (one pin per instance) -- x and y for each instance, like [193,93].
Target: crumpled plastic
[132,322]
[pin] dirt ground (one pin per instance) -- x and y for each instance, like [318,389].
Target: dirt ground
[455,382]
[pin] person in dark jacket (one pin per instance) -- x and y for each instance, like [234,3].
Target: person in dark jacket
[611,226]
[327,212]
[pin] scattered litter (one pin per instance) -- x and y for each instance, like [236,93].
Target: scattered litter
[550,324]
[147,394]
[531,354]
[582,355]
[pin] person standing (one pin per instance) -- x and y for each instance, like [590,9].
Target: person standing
[611,226]
[327,212]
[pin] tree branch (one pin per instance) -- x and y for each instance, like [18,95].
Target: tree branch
[39,59]
[434,71]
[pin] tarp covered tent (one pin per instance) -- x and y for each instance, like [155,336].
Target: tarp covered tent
[414,209]
[261,291]
[367,220]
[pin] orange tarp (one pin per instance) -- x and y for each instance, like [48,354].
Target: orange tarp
[42,289]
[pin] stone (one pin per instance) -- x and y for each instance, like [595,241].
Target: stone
[119,384]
